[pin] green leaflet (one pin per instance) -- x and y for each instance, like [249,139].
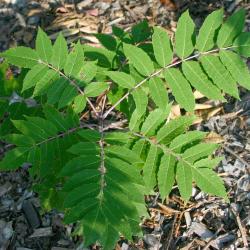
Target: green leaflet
[231,28]
[236,67]
[34,76]
[208,163]
[56,89]
[199,80]
[14,158]
[44,82]
[139,59]
[154,120]
[117,137]
[184,36]
[173,128]
[141,101]
[207,34]
[184,139]
[67,96]
[184,179]
[123,153]
[107,41]
[135,121]
[242,44]
[60,52]
[74,61]
[166,175]
[199,151]
[82,148]
[209,182]
[62,123]
[181,89]
[43,46]
[96,88]
[88,72]
[22,57]
[158,92]
[162,47]
[149,168]
[79,103]
[19,140]
[104,57]
[122,79]
[219,74]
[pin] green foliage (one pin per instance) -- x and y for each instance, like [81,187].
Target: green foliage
[81,164]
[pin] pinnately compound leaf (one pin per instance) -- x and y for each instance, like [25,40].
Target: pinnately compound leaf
[184,40]
[206,38]
[181,89]
[43,46]
[231,29]
[219,74]
[139,59]
[237,67]
[162,47]
[196,76]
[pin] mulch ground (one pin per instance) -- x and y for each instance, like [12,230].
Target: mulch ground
[206,222]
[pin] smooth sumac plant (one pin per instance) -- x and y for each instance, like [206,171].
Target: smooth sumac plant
[96,172]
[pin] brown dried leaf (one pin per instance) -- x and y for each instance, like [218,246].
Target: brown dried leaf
[213,137]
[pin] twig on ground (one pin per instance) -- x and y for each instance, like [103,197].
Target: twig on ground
[242,229]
